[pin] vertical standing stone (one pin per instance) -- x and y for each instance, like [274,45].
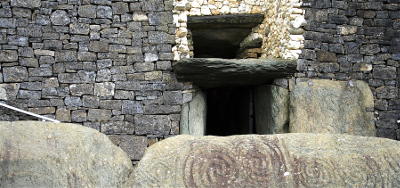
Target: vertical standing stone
[193,116]
[271,109]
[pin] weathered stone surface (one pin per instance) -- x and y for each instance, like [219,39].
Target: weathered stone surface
[65,56]
[9,91]
[132,107]
[210,72]
[79,28]
[28,4]
[332,107]
[271,107]
[62,155]
[8,56]
[15,74]
[152,124]
[193,116]
[99,115]
[87,11]
[104,90]
[98,46]
[134,146]
[104,12]
[283,160]
[223,21]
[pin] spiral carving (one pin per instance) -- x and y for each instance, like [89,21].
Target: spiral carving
[262,160]
[211,166]
[314,172]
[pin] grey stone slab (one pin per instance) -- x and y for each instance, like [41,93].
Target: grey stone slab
[194,115]
[210,72]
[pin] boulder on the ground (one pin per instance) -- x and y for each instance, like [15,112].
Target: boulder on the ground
[337,107]
[39,154]
[283,160]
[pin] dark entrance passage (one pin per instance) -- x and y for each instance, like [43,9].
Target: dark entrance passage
[230,111]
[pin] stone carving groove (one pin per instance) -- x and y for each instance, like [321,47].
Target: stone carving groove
[286,160]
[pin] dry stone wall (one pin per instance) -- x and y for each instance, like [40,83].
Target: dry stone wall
[100,63]
[107,64]
[348,40]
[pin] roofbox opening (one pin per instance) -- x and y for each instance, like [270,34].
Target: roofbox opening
[221,36]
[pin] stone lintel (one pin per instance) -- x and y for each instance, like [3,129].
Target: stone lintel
[213,72]
[223,21]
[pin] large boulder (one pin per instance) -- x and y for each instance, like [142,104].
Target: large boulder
[283,160]
[39,154]
[337,107]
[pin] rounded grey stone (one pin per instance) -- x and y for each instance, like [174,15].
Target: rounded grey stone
[60,17]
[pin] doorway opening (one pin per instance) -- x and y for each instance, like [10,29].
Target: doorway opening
[222,36]
[230,111]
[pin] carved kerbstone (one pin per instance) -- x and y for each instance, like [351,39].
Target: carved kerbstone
[38,154]
[285,160]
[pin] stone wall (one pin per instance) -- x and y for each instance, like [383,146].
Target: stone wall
[100,63]
[107,64]
[347,40]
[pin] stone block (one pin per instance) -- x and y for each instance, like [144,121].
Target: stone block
[41,71]
[104,90]
[27,4]
[25,52]
[334,107]
[111,104]
[15,74]
[104,12]
[122,94]
[98,46]
[153,5]
[384,72]
[78,116]
[387,92]
[9,91]
[66,167]
[283,160]
[388,119]
[63,114]
[99,115]
[152,124]
[87,76]
[26,94]
[30,31]
[162,109]
[7,23]
[28,62]
[87,11]
[132,107]
[117,127]
[120,8]
[79,28]
[69,78]
[159,37]
[65,56]
[8,56]
[86,56]
[370,49]
[271,107]
[90,101]
[128,85]
[18,40]
[73,101]
[103,75]
[5,13]
[326,56]
[173,97]
[133,146]
[193,116]
[81,89]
